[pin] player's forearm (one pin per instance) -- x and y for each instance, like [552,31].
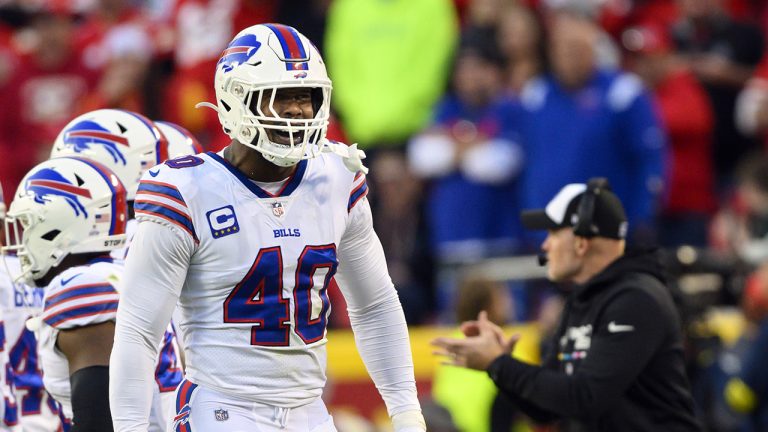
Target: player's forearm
[382,339]
[131,380]
[155,271]
[376,315]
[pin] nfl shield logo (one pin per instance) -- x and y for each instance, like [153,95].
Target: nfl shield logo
[221,414]
[277,209]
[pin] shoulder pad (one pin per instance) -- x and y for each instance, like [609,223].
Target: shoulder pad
[80,297]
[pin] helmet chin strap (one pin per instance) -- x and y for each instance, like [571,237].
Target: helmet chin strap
[277,160]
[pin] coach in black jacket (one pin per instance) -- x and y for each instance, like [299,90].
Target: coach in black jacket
[619,361]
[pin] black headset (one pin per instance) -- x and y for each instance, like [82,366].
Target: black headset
[586,211]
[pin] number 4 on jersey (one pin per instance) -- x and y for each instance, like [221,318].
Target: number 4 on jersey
[258,298]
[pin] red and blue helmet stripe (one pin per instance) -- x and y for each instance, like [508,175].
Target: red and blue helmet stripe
[161,146]
[294,51]
[119,202]
[191,140]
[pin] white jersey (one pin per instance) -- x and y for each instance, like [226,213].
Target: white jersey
[249,269]
[255,295]
[83,296]
[30,406]
[130,230]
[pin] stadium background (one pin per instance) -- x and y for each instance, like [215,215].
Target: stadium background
[435,91]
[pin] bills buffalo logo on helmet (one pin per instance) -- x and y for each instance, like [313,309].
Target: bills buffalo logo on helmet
[239,52]
[85,134]
[47,183]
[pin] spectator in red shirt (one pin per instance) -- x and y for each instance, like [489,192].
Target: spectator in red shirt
[42,94]
[202,29]
[128,50]
[722,51]
[687,117]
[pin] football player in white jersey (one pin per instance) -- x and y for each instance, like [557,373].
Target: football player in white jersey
[66,216]
[181,142]
[34,408]
[9,412]
[37,410]
[124,141]
[246,241]
[128,144]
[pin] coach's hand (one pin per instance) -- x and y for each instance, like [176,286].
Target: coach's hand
[484,342]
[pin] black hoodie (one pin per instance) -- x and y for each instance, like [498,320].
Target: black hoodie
[619,359]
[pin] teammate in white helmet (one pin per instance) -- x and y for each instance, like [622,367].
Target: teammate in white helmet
[246,241]
[129,144]
[9,412]
[66,216]
[181,142]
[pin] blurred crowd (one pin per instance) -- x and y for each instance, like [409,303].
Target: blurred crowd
[469,111]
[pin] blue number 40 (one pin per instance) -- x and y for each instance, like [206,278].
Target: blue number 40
[258,298]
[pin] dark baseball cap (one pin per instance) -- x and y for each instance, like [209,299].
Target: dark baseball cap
[608,216]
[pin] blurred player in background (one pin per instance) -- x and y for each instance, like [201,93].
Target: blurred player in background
[32,407]
[9,412]
[247,240]
[65,217]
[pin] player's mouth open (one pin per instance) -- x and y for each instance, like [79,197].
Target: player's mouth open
[281,136]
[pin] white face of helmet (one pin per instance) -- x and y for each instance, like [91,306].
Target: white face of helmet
[64,206]
[260,61]
[181,142]
[125,142]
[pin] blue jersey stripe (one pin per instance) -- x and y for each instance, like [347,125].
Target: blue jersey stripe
[77,292]
[357,194]
[96,308]
[167,213]
[170,191]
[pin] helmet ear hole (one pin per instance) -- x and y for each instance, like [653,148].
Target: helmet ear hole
[50,235]
[225,105]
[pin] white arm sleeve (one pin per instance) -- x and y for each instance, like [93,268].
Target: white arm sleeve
[154,274]
[375,312]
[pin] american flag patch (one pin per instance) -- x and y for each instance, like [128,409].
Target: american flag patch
[100,218]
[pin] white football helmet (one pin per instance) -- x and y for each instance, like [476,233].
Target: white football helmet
[125,142]
[64,206]
[260,60]
[181,142]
